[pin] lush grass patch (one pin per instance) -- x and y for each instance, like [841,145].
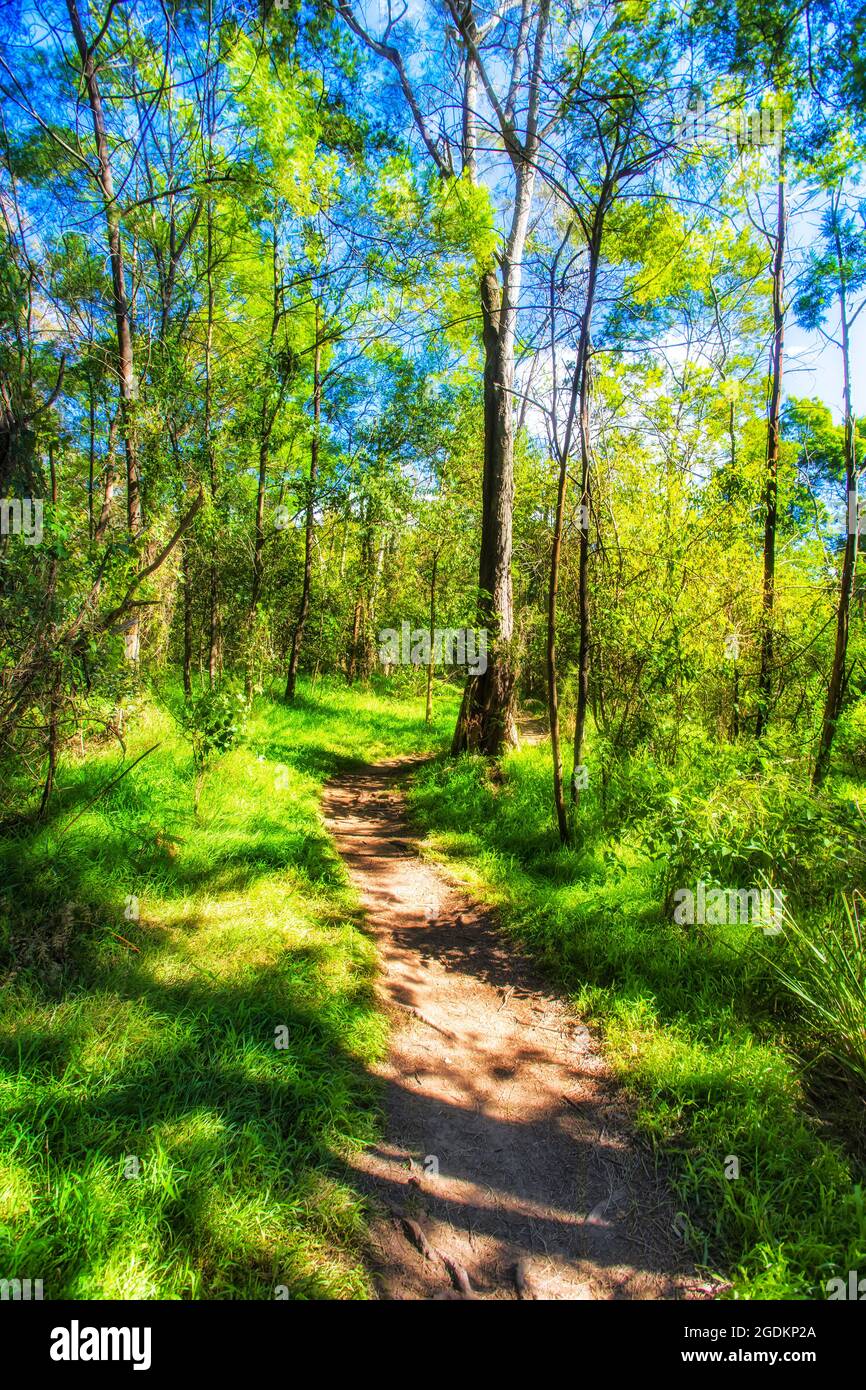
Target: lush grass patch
[154,1141]
[695,1023]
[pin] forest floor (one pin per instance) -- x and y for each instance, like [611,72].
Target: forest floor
[195,1000]
[187,1000]
[510,1167]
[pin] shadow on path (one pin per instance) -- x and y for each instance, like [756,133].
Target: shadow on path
[511,1168]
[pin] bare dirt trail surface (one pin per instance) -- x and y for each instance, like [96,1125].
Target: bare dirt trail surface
[510,1169]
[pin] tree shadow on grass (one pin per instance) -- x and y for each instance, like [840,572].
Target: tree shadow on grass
[169,1055]
[222,1121]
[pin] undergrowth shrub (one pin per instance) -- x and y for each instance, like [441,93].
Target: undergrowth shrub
[826,970]
[751,829]
[212,722]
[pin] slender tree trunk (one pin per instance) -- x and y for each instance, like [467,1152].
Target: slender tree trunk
[259,542]
[91,458]
[353,647]
[552,676]
[258,553]
[553,583]
[370,563]
[580,401]
[110,479]
[52,743]
[470,120]
[836,687]
[209,117]
[486,722]
[213,625]
[375,580]
[765,676]
[486,719]
[319,647]
[579,379]
[267,424]
[583,580]
[304,607]
[428,712]
[187,618]
[213,575]
[122,315]
[54,700]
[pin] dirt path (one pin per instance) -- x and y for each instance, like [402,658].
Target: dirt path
[509,1169]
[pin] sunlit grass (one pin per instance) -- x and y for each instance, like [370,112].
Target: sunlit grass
[694,1026]
[154,1142]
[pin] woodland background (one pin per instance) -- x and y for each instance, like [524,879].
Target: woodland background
[318,319]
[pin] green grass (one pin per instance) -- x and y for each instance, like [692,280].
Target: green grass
[696,1026]
[162,1061]
[247,924]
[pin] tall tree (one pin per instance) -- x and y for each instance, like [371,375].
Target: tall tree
[500,64]
[88,51]
[836,277]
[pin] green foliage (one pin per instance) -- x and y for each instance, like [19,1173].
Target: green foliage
[463,218]
[851,737]
[747,828]
[212,721]
[302,247]
[839,267]
[828,976]
[693,1022]
[152,1034]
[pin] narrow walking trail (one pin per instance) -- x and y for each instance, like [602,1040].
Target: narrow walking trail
[509,1169]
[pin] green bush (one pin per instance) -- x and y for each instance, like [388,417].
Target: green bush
[851,737]
[828,976]
[752,829]
[211,722]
